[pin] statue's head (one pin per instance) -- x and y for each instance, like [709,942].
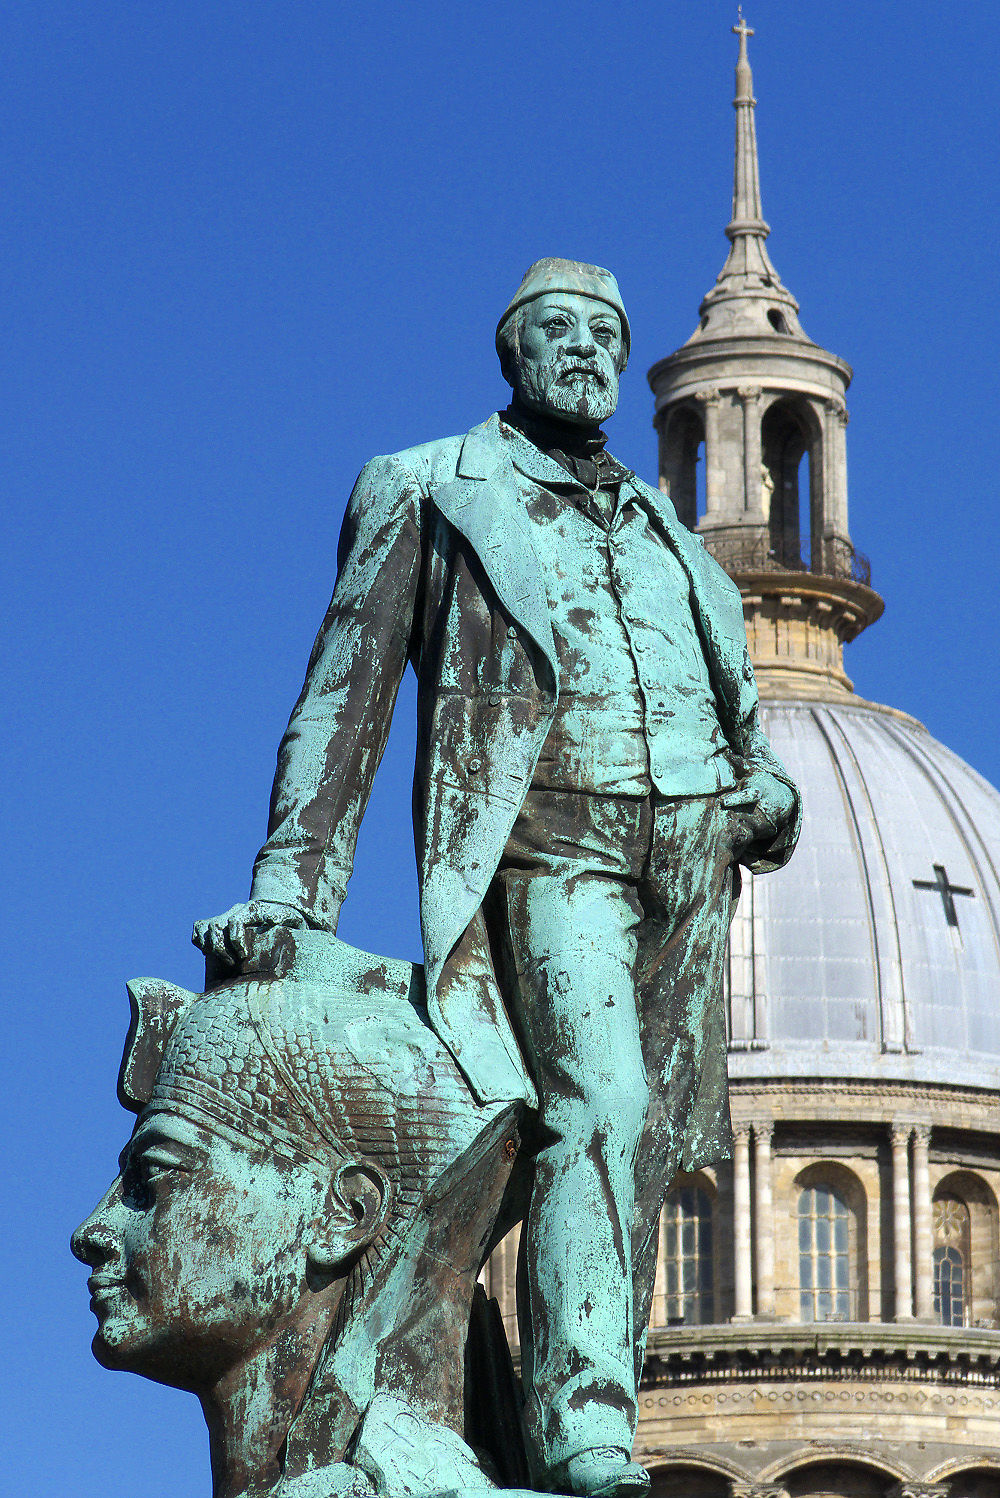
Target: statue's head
[234,1203]
[564,340]
[288,1140]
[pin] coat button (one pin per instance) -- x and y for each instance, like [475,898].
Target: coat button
[474,765]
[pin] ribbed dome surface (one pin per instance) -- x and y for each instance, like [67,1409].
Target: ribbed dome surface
[843,966]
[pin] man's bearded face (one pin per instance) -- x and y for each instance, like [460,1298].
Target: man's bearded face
[569,357]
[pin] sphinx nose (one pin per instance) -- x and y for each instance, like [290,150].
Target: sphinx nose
[92,1244]
[95,1241]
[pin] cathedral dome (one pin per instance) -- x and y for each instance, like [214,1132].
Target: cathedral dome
[875,954]
[826,1318]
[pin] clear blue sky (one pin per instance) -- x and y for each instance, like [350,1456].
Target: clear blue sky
[246,246]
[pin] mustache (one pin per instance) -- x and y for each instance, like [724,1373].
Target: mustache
[580,366]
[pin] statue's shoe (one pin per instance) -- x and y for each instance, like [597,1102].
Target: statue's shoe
[600,1472]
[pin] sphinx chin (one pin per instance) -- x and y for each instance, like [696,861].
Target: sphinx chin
[119,1352]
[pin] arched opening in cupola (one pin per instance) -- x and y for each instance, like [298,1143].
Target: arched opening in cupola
[791,482]
[682,463]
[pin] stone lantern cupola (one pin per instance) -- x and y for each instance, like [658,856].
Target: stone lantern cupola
[751,420]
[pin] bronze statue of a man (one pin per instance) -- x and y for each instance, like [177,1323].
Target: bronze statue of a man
[590,772]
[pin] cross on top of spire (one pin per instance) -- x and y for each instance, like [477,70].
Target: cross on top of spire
[742,30]
[744,78]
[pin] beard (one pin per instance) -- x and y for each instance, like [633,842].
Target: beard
[581,391]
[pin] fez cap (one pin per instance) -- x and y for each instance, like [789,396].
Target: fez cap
[572,276]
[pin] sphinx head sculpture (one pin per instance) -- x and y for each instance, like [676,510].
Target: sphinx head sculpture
[300,1215]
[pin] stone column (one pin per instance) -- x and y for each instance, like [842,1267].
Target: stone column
[834,472]
[923,1238]
[750,397]
[899,1135]
[764,1213]
[741,1222]
[714,473]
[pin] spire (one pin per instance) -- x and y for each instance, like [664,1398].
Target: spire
[748,297]
[748,216]
[739,407]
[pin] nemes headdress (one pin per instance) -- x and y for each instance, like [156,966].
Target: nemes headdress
[303,1073]
[576,277]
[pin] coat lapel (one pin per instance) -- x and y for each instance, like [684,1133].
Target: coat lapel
[713,590]
[483,503]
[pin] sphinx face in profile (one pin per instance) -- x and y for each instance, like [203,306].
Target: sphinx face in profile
[205,1248]
[300,1211]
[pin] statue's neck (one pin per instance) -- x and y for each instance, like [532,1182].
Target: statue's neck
[548,432]
[249,1411]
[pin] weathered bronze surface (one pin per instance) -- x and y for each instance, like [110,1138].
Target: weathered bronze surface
[297,1227]
[590,774]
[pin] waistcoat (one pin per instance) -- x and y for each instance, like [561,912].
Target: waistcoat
[636,705]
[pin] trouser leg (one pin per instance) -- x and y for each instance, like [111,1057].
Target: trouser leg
[689,895]
[572,935]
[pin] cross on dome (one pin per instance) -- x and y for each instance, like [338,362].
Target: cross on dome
[946,890]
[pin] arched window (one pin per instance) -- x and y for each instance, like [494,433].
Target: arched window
[951,1260]
[686,1282]
[949,1286]
[824,1255]
[787,483]
[682,467]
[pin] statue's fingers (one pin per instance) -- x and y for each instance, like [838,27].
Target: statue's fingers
[235,943]
[207,937]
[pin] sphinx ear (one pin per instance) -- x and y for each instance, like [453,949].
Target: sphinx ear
[356,1207]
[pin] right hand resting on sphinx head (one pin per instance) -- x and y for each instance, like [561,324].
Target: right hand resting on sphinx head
[239,939]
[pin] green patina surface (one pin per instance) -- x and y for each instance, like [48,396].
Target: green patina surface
[590,774]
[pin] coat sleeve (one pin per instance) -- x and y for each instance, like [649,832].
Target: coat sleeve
[339,726]
[768,854]
[723,628]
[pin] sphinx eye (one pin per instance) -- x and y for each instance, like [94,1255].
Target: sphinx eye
[154,1170]
[150,1169]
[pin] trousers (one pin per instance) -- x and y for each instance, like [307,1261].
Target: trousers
[609,917]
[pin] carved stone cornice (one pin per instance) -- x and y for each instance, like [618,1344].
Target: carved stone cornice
[878,1102]
[830,603]
[851,1351]
[910,1489]
[740,1489]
